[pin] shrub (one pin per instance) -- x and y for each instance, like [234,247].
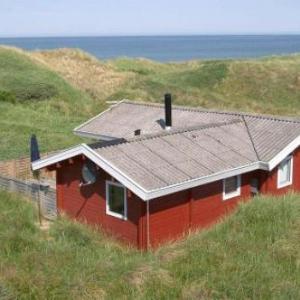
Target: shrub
[35,91]
[7,97]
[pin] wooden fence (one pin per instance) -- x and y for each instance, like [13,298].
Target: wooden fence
[37,191]
[20,168]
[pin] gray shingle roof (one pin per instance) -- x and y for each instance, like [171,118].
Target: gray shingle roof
[201,145]
[122,119]
[270,136]
[201,142]
[164,159]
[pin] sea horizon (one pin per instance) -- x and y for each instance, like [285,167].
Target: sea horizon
[152,35]
[167,48]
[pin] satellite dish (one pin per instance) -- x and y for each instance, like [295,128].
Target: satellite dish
[89,173]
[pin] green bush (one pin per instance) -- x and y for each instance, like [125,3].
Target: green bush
[7,97]
[35,91]
[31,92]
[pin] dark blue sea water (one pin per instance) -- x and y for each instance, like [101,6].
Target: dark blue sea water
[169,48]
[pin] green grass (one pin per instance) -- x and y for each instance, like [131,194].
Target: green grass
[49,93]
[268,85]
[253,254]
[34,99]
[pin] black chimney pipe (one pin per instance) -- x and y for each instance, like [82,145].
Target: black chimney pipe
[168,111]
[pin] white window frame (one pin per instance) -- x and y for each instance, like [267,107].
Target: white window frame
[279,169]
[108,211]
[236,193]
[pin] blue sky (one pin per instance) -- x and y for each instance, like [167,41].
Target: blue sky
[137,17]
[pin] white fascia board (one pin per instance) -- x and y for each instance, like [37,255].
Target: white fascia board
[97,116]
[131,184]
[94,136]
[284,153]
[53,159]
[84,149]
[152,194]
[204,180]
[114,172]
[148,195]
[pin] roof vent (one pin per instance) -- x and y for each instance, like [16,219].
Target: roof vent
[137,132]
[168,111]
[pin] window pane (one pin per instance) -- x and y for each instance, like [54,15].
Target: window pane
[288,170]
[285,172]
[231,185]
[116,199]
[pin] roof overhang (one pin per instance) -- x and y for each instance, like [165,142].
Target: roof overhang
[146,195]
[284,153]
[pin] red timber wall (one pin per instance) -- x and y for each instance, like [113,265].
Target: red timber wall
[269,179]
[88,203]
[170,216]
[173,215]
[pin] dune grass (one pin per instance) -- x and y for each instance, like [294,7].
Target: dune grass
[39,102]
[51,92]
[252,254]
[269,85]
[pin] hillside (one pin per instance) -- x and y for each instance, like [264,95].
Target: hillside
[34,99]
[51,92]
[253,254]
[269,85]
[83,71]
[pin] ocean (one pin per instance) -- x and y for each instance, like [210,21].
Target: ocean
[169,48]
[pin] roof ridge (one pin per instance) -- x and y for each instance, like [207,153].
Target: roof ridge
[164,133]
[251,138]
[222,112]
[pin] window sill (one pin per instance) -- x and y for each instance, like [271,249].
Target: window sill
[230,196]
[285,184]
[118,216]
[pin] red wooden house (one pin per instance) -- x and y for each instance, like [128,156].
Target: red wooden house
[158,171]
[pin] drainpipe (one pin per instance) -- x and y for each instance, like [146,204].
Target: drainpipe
[148,227]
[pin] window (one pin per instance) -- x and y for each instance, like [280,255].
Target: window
[116,202]
[285,172]
[231,187]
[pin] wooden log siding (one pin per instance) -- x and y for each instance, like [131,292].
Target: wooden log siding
[33,190]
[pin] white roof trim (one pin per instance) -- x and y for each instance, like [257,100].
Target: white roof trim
[97,159]
[151,194]
[284,153]
[206,179]
[53,159]
[131,184]
[113,171]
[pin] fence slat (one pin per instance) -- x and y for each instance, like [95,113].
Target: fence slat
[20,168]
[33,189]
